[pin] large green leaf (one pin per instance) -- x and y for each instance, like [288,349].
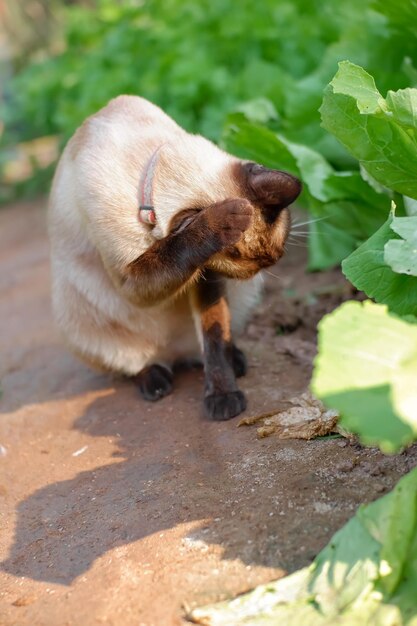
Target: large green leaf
[381,134]
[367,269]
[366,363]
[366,575]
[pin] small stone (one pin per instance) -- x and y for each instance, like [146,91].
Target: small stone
[346,466]
[376,471]
[25,600]
[379,487]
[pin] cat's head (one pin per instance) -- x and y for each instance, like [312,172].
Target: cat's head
[195,174]
[270,193]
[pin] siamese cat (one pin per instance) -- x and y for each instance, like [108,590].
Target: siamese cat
[157,237]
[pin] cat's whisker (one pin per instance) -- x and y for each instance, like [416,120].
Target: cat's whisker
[296,233]
[313,221]
[272,274]
[296,237]
[297,245]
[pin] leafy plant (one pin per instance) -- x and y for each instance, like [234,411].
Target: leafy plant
[201,61]
[365,369]
[370,269]
[195,60]
[375,375]
[366,575]
[380,133]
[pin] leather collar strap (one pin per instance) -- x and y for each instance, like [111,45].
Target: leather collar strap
[147,213]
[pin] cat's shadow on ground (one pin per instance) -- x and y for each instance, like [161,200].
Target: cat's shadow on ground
[171,467]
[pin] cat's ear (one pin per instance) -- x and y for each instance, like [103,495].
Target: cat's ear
[271,187]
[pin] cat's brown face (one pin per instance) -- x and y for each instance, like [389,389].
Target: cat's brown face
[270,192]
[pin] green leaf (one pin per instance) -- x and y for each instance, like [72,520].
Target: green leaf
[367,270]
[365,576]
[367,359]
[329,243]
[380,133]
[405,227]
[403,106]
[259,110]
[352,80]
[410,205]
[401,256]
[253,141]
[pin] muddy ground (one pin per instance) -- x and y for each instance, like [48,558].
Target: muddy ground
[114,511]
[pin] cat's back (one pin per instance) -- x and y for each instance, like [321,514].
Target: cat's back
[126,125]
[98,175]
[108,152]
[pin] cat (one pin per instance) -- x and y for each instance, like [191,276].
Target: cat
[157,238]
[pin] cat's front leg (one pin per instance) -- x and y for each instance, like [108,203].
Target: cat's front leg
[223,361]
[170,263]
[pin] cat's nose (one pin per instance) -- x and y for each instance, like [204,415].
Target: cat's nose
[272,187]
[289,188]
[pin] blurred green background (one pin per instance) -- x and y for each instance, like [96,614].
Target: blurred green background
[200,61]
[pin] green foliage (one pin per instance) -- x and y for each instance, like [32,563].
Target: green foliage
[367,360]
[380,133]
[401,17]
[368,270]
[201,61]
[196,60]
[365,576]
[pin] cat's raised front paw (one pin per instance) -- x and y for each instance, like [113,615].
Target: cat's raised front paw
[229,219]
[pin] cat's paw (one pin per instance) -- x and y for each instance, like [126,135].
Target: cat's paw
[224,406]
[237,360]
[229,219]
[154,382]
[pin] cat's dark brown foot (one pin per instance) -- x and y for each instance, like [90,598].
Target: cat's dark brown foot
[154,382]
[224,406]
[187,364]
[237,360]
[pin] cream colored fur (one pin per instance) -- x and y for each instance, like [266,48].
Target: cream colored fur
[95,232]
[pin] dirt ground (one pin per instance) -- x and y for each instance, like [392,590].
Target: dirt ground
[118,512]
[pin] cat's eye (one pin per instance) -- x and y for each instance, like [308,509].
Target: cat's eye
[183,220]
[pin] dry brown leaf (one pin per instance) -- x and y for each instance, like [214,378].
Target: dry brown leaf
[306,419]
[248,421]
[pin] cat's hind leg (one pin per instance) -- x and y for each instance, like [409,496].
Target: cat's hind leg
[154,382]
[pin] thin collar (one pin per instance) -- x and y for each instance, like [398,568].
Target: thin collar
[147,213]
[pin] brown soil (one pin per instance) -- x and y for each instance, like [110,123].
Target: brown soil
[114,511]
